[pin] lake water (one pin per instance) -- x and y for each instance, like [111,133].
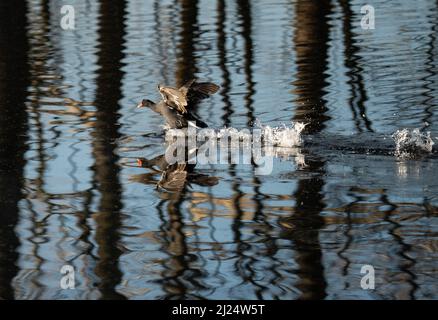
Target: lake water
[359,187]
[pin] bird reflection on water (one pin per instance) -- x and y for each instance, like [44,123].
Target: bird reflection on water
[176,176]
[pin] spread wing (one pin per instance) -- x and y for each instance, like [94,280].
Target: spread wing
[186,87]
[201,90]
[191,92]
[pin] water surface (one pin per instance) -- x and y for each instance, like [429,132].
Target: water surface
[72,191]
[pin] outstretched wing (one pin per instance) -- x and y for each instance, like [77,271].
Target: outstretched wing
[186,87]
[201,90]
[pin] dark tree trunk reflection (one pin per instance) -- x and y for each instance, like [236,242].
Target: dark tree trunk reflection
[14,79]
[106,169]
[352,62]
[186,63]
[311,45]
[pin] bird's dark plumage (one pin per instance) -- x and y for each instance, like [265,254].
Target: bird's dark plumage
[175,177]
[174,119]
[188,94]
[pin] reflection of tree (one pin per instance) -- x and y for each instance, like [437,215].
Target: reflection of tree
[311,44]
[164,37]
[186,65]
[306,223]
[239,204]
[106,169]
[38,52]
[407,263]
[246,251]
[46,92]
[180,277]
[244,14]
[349,238]
[221,44]
[14,79]
[430,100]
[388,217]
[352,62]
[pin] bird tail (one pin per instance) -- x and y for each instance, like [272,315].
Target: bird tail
[198,124]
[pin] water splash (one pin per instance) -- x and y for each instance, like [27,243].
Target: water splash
[412,143]
[281,136]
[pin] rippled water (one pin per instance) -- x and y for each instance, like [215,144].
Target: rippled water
[79,164]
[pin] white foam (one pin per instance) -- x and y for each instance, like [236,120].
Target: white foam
[281,136]
[410,143]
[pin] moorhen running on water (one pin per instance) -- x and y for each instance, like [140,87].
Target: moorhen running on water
[174,103]
[174,119]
